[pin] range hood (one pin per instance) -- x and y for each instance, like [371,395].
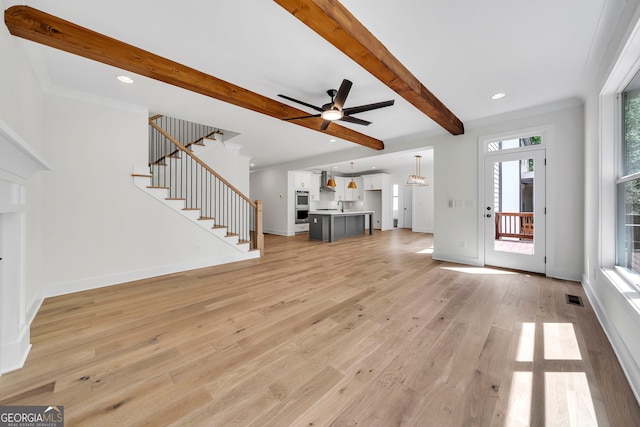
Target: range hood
[323,183]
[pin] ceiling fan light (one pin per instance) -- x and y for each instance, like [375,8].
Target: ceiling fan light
[332,114]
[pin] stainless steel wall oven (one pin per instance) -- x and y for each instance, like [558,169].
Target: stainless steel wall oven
[302,207]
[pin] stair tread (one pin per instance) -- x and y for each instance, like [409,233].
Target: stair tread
[164,188]
[142,175]
[206,218]
[175,198]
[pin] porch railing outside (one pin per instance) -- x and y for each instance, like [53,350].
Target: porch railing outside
[514,224]
[176,168]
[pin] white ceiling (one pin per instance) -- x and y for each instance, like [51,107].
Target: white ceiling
[537,52]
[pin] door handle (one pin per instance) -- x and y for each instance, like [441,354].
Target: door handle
[488,215]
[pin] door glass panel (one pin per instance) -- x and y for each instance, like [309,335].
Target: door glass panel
[512,199]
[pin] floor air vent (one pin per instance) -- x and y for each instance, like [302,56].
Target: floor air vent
[574,300]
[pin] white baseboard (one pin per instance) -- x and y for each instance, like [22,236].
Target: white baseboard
[278,232]
[457,259]
[564,274]
[15,353]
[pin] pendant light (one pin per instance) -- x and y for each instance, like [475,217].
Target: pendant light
[417,179]
[352,184]
[331,182]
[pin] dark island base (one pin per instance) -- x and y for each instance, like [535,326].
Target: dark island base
[330,227]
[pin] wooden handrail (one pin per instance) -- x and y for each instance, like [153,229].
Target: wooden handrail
[201,163]
[195,141]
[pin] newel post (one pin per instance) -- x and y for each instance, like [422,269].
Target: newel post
[259,234]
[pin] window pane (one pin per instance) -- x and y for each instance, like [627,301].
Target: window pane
[629,230]
[631,143]
[515,143]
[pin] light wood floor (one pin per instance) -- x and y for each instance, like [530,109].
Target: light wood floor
[367,331]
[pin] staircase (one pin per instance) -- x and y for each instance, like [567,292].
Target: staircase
[180,180]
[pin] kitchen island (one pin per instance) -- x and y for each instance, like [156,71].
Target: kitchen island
[331,225]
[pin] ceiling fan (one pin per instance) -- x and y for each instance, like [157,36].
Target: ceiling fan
[334,110]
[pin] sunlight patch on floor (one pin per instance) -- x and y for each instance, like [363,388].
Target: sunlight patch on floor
[560,342]
[519,409]
[568,400]
[526,344]
[426,251]
[566,394]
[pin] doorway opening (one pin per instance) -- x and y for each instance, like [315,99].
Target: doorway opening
[514,210]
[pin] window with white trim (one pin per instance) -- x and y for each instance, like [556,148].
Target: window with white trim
[628,184]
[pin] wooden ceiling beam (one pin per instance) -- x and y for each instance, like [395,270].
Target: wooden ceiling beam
[49,30]
[332,21]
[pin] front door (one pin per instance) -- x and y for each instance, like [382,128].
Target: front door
[514,210]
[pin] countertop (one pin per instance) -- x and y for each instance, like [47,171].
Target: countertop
[339,213]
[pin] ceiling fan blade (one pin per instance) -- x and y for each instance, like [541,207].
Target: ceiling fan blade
[341,96]
[355,120]
[368,107]
[325,124]
[301,102]
[301,117]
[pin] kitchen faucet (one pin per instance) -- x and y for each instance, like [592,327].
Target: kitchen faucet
[341,205]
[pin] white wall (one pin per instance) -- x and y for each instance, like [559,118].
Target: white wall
[100,229]
[423,199]
[273,187]
[422,209]
[21,104]
[615,303]
[456,178]
[226,160]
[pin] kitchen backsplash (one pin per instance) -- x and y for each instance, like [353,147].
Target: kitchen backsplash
[332,204]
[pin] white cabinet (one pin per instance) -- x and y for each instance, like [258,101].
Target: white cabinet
[301,228]
[380,201]
[340,188]
[374,182]
[354,194]
[314,191]
[302,180]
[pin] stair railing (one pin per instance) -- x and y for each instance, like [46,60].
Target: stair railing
[185,132]
[188,178]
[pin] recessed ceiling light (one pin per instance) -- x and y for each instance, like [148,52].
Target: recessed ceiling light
[332,140]
[373,167]
[498,95]
[252,164]
[125,79]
